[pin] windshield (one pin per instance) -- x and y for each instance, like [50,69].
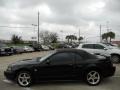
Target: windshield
[46,56]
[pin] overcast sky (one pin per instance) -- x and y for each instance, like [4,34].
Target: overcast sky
[56,15]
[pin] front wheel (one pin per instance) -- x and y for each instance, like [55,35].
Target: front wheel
[93,77]
[24,79]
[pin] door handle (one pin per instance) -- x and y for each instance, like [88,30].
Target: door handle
[79,65]
[70,64]
[97,53]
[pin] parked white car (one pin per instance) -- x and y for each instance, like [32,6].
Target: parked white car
[28,49]
[102,49]
[44,47]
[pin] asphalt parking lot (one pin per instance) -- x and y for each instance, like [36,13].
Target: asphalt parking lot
[112,83]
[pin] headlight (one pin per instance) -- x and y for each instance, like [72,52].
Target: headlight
[9,68]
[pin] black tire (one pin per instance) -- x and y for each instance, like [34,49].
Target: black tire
[115,58]
[25,82]
[93,81]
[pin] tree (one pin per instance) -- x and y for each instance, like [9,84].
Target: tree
[48,37]
[16,39]
[80,38]
[68,38]
[73,37]
[53,37]
[111,35]
[105,36]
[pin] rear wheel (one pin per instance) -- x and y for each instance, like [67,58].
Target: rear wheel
[93,77]
[115,58]
[24,79]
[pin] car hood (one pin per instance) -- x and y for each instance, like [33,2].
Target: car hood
[113,47]
[114,50]
[26,62]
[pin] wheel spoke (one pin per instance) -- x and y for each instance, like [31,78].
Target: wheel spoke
[93,81]
[95,73]
[89,78]
[96,77]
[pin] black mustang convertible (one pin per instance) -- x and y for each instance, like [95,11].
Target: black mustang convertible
[65,64]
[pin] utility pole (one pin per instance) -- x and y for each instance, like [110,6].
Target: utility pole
[38,27]
[79,35]
[79,32]
[100,33]
[35,37]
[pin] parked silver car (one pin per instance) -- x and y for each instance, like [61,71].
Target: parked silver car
[28,49]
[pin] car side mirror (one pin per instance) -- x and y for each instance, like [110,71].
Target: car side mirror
[105,49]
[48,62]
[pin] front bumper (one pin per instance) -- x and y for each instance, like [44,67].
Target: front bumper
[113,71]
[110,72]
[9,75]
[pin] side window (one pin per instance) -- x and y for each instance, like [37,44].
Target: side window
[78,58]
[62,58]
[89,46]
[97,46]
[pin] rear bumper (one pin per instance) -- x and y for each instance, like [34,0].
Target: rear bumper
[9,75]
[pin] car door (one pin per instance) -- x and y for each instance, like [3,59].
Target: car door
[79,64]
[88,47]
[59,65]
[98,49]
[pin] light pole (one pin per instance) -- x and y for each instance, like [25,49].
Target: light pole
[79,32]
[34,25]
[38,27]
[101,26]
[78,28]
[100,33]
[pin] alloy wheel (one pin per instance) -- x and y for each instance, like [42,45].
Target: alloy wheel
[24,79]
[93,78]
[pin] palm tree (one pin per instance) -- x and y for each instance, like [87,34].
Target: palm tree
[111,35]
[80,38]
[16,39]
[73,37]
[68,38]
[105,36]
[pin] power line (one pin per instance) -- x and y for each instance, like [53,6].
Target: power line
[13,27]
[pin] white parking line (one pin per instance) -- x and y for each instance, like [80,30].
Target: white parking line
[7,81]
[116,76]
[10,82]
[28,89]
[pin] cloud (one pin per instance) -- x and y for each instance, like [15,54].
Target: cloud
[56,15]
